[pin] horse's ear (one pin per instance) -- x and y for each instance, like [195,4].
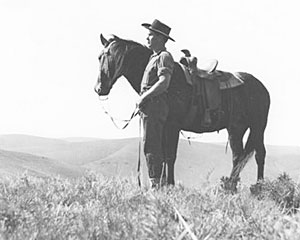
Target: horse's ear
[115,37]
[103,40]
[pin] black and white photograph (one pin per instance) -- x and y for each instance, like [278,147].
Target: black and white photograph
[149,119]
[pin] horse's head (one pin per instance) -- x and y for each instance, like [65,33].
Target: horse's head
[110,60]
[121,58]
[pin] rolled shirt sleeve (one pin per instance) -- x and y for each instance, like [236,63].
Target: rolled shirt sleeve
[165,64]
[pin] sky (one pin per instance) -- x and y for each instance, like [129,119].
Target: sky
[49,59]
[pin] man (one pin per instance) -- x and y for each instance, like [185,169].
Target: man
[153,98]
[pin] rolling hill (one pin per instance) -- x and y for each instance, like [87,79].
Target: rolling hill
[196,162]
[76,152]
[16,163]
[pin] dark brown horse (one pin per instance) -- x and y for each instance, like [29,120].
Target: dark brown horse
[244,107]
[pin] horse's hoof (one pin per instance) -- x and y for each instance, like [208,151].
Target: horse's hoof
[229,185]
[256,189]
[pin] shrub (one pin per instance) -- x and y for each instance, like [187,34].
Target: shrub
[283,190]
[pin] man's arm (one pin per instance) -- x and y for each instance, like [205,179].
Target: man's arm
[158,88]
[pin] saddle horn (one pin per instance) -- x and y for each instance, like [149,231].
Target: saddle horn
[186,53]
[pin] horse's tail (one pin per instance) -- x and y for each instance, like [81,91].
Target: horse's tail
[258,104]
[248,152]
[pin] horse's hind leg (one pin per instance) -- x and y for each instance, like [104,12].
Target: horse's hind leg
[260,155]
[171,137]
[257,141]
[236,134]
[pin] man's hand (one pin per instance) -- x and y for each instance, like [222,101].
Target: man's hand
[140,103]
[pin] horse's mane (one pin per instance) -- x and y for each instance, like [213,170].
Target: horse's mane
[132,43]
[132,49]
[129,44]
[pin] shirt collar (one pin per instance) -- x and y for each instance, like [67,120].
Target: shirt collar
[156,54]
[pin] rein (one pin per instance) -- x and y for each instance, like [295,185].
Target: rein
[139,155]
[114,120]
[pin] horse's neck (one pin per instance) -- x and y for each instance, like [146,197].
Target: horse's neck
[137,60]
[135,78]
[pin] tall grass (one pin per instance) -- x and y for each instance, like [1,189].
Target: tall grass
[95,207]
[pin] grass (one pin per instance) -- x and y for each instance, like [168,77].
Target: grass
[95,207]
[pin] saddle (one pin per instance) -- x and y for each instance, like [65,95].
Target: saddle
[207,85]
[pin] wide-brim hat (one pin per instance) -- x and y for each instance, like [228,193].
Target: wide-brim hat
[159,27]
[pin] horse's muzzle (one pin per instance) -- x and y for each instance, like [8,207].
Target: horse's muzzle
[102,86]
[97,88]
[101,91]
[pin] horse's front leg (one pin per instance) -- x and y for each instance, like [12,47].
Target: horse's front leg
[171,137]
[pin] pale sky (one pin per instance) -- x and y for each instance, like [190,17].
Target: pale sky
[49,65]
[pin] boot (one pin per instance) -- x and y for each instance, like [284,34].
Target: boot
[154,183]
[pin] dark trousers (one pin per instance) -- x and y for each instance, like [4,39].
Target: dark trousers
[154,116]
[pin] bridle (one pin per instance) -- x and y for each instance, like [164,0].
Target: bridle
[114,119]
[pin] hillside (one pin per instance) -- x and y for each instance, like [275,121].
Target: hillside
[196,162]
[16,163]
[73,152]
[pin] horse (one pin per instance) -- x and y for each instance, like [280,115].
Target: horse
[243,107]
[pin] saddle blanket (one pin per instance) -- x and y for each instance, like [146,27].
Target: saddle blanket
[227,80]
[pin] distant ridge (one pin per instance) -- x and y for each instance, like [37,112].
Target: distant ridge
[196,162]
[75,153]
[80,139]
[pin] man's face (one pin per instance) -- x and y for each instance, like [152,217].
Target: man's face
[154,40]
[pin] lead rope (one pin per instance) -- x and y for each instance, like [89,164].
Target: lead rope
[139,155]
